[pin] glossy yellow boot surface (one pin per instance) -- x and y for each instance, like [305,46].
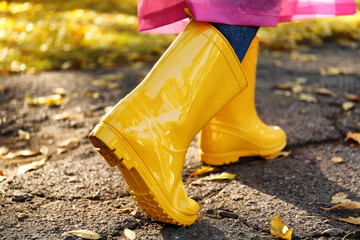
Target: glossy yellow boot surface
[237,131]
[147,134]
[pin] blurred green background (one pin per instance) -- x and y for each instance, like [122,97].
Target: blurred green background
[37,35]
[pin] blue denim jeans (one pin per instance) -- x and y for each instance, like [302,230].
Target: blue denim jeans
[239,37]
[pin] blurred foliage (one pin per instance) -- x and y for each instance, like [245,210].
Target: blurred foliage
[38,35]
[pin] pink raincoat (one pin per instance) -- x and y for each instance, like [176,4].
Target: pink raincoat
[168,16]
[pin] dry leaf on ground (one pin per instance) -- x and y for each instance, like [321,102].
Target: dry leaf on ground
[279,229]
[20,153]
[222,176]
[336,159]
[2,89]
[83,233]
[325,92]
[3,150]
[51,100]
[353,136]
[327,70]
[2,176]
[32,166]
[67,116]
[277,156]
[297,57]
[339,198]
[129,234]
[202,171]
[67,145]
[352,97]
[348,105]
[307,98]
[24,134]
[348,205]
[351,220]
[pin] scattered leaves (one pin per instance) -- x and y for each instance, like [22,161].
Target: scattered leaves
[51,100]
[222,176]
[353,136]
[279,229]
[351,220]
[352,97]
[32,166]
[202,171]
[24,134]
[307,98]
[84,233]
[129,234]
[337,159]
[67,145]
[277,156]
[348,105]
[325,92]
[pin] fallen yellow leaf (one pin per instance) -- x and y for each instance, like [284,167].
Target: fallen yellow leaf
[327,70]
[67,116]
[2,89]
[84,233]
[20,153]
[67,145]
[351,220]
[337,159]
[222,176]
[51,100]
[202,171]
[3,150]
[279,229]
[2,176]
[125,210]
[352,97]
[353,136]
[325,92]
[31,166]
[348,105]
[297,88]
[307,98]
[285,85]
[277,156]
[339,198]
[297,57]
[24,134]
[129,234]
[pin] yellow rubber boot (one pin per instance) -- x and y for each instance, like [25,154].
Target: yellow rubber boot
[236,131]
[147,134]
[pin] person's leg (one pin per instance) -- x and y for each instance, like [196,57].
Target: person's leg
[239,37]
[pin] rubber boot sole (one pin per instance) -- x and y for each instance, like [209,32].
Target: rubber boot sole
[141,185]
[225,158]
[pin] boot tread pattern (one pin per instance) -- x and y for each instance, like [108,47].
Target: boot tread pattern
[146,200]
